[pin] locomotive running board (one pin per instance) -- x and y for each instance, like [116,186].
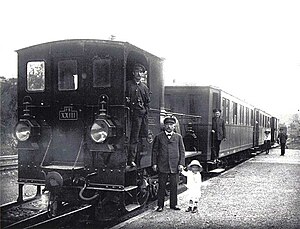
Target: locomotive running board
[124,189]
[62,167]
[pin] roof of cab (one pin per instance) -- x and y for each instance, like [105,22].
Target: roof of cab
[89,41]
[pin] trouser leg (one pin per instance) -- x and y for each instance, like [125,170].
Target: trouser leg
[134,137]
[173,189]
[162,180]
[217,148]
[144,127]
[282,148]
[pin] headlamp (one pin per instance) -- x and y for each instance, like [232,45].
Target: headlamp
[22,131]
[26,128]
[99,131]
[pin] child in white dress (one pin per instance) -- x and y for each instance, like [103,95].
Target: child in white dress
[194,181]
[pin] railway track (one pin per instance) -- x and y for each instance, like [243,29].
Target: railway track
[9,162]
[32,213]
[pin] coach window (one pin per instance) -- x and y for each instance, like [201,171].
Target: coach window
[225,108]
[234,105]
[67,75]
[252,117]
[260,120]
[102,73]
[36,76]
[247,116]
[242,122]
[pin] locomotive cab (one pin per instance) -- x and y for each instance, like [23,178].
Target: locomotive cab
[74,124]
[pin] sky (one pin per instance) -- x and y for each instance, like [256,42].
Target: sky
[250,49]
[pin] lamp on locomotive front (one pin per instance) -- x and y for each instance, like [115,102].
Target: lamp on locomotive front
[102,127]
[26,128]
[22,131]
[99,131]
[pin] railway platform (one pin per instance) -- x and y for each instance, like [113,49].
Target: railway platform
[263,192]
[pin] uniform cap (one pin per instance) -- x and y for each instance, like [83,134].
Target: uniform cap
[138,65]
[169,119]
[216,110]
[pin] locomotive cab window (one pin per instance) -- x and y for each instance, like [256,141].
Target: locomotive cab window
[36,76]
[67,75]
[102,73]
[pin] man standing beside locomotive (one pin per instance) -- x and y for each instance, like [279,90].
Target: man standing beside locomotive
[138,99]
[218,133]
[168,157]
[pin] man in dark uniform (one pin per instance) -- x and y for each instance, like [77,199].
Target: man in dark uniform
[218,133]
[138,99]
[168,157]
[282,137]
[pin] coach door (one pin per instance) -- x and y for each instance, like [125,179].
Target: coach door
[256,129]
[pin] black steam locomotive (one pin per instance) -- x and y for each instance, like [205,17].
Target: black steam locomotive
[74,125]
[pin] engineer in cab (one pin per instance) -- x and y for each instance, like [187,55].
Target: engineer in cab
[138,99]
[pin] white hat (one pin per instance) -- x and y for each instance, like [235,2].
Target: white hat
[197,163]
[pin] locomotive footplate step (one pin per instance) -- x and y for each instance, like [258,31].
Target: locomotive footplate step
[131,207]
[130,168]
[217,171]
[129,188]
[192,153]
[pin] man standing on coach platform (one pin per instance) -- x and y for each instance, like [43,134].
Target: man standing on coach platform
[218,133]
[138,99]
[168,157]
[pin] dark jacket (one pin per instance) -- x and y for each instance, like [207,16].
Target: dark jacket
[218,125]
[282,138]
[167,153]
[138,94]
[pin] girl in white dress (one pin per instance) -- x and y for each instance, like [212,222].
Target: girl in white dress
[194,181]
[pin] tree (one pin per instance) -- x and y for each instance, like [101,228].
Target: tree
[8,88]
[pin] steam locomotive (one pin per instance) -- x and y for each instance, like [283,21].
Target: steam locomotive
[74,125]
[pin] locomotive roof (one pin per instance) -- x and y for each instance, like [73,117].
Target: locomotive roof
[90,41]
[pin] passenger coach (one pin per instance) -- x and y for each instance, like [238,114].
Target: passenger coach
[245,124]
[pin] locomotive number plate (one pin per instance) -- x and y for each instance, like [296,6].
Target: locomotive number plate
[68,114]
